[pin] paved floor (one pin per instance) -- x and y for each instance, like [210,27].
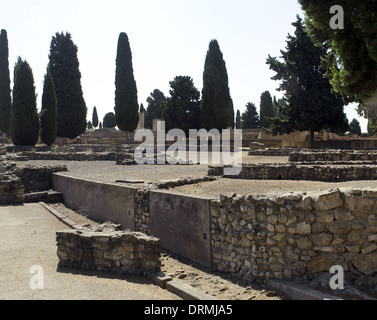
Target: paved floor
[28,259]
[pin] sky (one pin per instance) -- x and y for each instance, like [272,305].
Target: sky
[168,38]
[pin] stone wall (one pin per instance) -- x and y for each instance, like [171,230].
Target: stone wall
[11,189]
[293,171]
[16,181]
[333,155]
[107,250]
[37,178]
[295,234]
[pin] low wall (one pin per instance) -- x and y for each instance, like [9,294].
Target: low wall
[38,178]
[333,155]
[99,201]
[15,181]
[112,251]
[295,235]
[11,189]
[292,171]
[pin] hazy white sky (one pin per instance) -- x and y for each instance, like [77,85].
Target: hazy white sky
[168,38]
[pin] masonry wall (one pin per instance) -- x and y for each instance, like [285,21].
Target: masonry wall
[121,252]
[295,235]
[292,171]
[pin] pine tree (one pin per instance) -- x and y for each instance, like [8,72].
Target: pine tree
[49,111]
[250,118]
[24,115]
[355,127]
[5,93]
[154,111]
[109,120]
[309,103]
[126,102]
[266,109]
[182,109]
[216,100]
[352,59]
[64,69]
[95,118]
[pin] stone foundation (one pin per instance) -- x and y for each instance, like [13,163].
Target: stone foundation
[107,250]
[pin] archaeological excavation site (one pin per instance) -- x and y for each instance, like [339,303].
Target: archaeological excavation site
[289,216]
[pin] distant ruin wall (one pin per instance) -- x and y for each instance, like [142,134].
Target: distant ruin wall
[295,234]
[292,171]
[333,156]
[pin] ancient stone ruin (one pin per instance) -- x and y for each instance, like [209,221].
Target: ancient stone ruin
[108,250]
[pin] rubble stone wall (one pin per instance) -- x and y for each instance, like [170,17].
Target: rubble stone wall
[295,234]
[122,252]
[292,171]
[333,155]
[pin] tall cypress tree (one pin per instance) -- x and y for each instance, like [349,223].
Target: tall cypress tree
[95,118]
[49,111]
[24,115]
[216,100]
[126,103]
[64,69]
[5,94]
[266,109]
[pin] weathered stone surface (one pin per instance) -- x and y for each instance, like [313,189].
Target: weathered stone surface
[291,238]
[322,239]
[328,200]
[339,227]
[108,250]
[321,263]
[366,263]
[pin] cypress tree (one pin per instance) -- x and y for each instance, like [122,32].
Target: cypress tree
[126,103]
[24,115]
[49,111]
[64,69]
[5,94]
[238,120]
[266,109]
[95,118]
[216,100]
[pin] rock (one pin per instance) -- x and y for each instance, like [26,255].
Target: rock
[339,227]
[304,243]
[328,200]
[322,263]
[324,216]
[366,263]
[322,239]
[359,204]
